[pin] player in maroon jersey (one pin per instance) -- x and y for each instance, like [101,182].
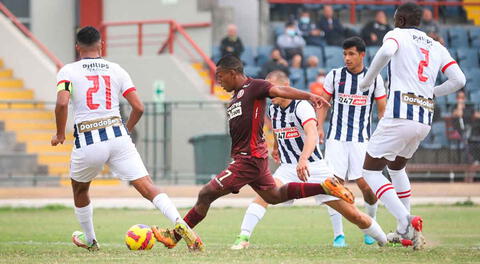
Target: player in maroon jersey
[246,113]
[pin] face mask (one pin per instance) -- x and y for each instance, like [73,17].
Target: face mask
[320,79]
[291,32]
[305,20]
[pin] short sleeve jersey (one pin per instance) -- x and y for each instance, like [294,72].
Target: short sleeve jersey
[412,73]
[95,86]
[245,113]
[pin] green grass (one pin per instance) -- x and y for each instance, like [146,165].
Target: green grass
[286,235]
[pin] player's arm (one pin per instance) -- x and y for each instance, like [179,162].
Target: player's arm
[137,109]
[380,96]
[293,93]
[275,155]
[381,105]
[321,116]
[383,56]
[311,136]
[456,80]
[61,115]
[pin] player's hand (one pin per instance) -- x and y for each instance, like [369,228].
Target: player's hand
[302,169]
[57,139]
[321,134]
[275,155]
[364,86]
[319,101]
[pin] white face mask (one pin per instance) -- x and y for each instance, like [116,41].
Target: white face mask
[320,79]
[291,32]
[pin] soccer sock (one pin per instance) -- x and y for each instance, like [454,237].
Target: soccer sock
[193,218]
[402,186]
[85,218]
[165,205]
[253,215]
[376,232]
[296,190]
[372,209]
[385,192]
[336,219]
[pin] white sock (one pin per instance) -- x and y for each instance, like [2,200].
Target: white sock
[402,186]
[376,232]
[385,192]
[336,219]
[371,209]
[253,215]
[165,205]
[85,218]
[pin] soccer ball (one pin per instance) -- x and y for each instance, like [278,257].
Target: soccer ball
[139,237]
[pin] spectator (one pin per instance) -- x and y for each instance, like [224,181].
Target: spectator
[296,62]
[309,31]
[316,87]
[231,44]
[374,31]
[436,37]
[312,61]
[465,128]
[427,24]
[334,31]
[290,43]
[276,63]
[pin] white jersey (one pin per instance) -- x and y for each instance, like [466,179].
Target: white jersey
[288,127]
[95,86]
[350,118]
[412,73]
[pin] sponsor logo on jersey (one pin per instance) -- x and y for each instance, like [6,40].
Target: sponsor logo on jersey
[286,133]
[419,101]
[353,99]
[234,110]
[90,125]
[240,94]
[95,66]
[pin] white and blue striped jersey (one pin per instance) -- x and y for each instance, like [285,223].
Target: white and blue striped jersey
[350,118]
[288,128]
[412,72]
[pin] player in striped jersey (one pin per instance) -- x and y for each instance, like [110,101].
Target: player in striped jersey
[95,86]
[414,60]
[296,149]
[350,125]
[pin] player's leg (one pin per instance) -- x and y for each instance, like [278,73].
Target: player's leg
[371,204]
[337,226]
[401,182]
[367,224]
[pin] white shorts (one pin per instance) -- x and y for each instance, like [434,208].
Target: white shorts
[118,153]
[319,171]
[345,158]
[396,137]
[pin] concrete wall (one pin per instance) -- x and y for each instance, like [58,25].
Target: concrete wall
[53,23]
[28,62]
[246,17]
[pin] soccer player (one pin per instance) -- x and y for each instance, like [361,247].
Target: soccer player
[414,60]
[349,128]
[246,112]
[294,123]
[95,86]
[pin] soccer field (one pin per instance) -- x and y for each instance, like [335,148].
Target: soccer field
[286,235]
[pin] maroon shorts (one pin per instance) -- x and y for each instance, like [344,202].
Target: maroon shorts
[243,171]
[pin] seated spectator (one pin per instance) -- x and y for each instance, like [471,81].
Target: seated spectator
[312,61]
[290,42]
[309,31]
[374,31]
[466,128]
[427,24]
[296,62]
[316,87]
[276,63]
[334,31]
[231,44]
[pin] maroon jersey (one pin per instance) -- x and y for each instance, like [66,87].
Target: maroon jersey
[246,113]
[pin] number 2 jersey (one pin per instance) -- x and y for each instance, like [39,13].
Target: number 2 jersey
[95,87]
[412,73]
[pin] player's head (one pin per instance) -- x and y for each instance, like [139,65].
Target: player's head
[408,15]
[229,72]
[279,79]
[88,39]
[353,53]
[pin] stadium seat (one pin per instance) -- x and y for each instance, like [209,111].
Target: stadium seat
[315,51]
[475,96]
[312,73]
[216,54]
[263,54]
[474,34]
[247,56]
[451,11]
[297,78]
[371,51]
[333,57]
[444,34]
[451,98]
[473,79]
[468,58]
[458,37]
[436,139]
[252,71]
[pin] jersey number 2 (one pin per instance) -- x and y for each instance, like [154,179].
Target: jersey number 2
[94,89]
[423,64]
